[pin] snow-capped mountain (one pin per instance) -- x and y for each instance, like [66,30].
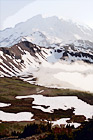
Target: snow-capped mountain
[45,31]
[26,56]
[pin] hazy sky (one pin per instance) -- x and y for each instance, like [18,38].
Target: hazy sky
[15,11]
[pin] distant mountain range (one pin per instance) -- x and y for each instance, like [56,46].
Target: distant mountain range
[45,32]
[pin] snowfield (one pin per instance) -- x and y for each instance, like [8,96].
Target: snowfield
[61,102]
[22,116]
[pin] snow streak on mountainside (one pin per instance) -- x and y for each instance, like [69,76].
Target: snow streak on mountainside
[45,31]
[63,67]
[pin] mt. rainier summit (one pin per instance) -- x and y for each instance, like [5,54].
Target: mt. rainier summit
[45,32]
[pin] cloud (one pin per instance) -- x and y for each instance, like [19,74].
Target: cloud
[78,75]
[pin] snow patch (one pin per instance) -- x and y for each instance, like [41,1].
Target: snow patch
[63,121]
[40,91]
[22,116]
[61,102]
[4,105]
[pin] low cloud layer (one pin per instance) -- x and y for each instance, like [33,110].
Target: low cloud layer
[78,75]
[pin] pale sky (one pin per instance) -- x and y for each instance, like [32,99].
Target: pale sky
[16,11]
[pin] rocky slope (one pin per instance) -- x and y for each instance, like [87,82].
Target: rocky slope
[26,57]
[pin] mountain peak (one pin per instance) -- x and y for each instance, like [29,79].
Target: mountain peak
[54,29]
[39,16]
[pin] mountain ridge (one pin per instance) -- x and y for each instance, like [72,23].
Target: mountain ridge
[55,29]
[60,67]
[27,51]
